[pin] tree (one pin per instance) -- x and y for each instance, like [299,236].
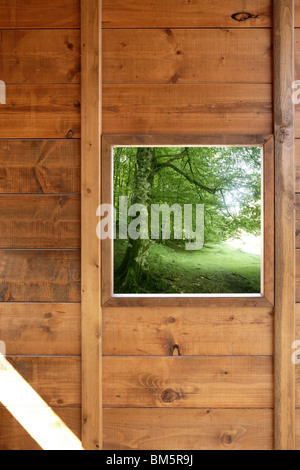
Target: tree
[226,180]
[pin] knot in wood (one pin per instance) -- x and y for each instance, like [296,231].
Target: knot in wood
[169,395]
[243,16]
[227,439]
[283,134]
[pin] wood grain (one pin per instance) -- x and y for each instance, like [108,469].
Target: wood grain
[297,13]
[297,315]
[132,429]
[297,163]
[39,221]
[56,379]
[36,14]
[183,14]
[297,278]
[40,166]
[187,109]
[91,47]
[40,329]
[297,220]
[297,382]
[213,332]
[14,437]
[39,276]
[298,429]
[41,111]
[284,224]
[187,56]
[188,382]
[40,56]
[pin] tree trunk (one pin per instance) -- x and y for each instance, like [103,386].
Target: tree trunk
[133,274]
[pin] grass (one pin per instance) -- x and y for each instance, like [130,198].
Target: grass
[216,269]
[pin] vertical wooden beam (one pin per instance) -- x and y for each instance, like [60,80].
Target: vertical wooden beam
[284,224]
[90,246]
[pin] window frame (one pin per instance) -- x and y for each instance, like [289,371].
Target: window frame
[266,298]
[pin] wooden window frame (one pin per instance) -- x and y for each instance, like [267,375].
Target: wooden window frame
[266,299]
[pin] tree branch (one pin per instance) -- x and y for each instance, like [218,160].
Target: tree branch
[191,180]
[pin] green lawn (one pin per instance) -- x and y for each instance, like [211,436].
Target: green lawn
[216,269]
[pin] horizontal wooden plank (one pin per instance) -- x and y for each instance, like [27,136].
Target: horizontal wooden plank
[40,111]
[187,109]
[187,56]
[37,14]
[56,379]
[39,276]
[203,332]
[14,437]
[183,14]
[41,329]
[40,56]
[185,382]
[39,221]
[133,429]
[40,166]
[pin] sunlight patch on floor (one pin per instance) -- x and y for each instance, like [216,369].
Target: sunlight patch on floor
[30,410]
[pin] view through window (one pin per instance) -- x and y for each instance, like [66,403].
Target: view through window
[188,220]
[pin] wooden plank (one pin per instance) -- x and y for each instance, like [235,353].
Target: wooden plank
[40,56]
[297,121]
[187,56]
[91,11]
[297,13]
[40,111]
[36,14]
[298,429]
[297,51]
[40,166]
[14,437]
[56,379]
[284,224]
[188,382]
[297,220]
[39,221]
[40,329]
[213,332]
[187,109]
[183,14]
[297,276]
[39,276]
[297,383]
[297,315]
[132,429]
[297,158]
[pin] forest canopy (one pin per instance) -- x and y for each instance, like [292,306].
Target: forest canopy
[226,180]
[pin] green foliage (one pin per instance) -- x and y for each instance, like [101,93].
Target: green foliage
[227,180]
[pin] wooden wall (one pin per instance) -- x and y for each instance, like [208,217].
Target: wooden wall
[187,68]
[169,66]
[40,205]
[297,175]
